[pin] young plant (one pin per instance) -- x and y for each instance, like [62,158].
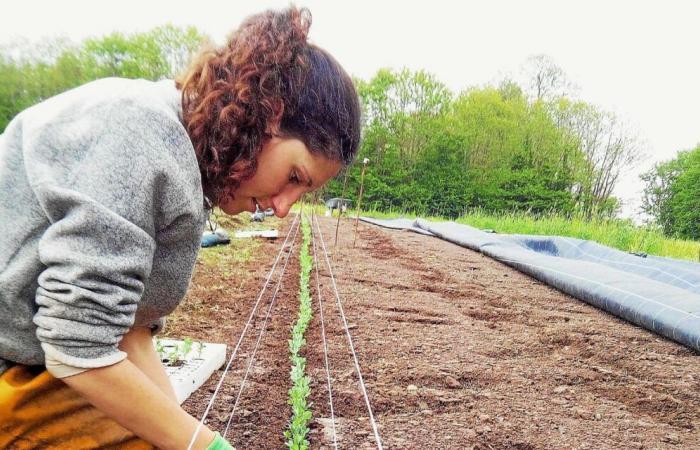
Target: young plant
[186,347]
[175,355]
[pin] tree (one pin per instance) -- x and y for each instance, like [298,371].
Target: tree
[30,73]
[517,157]
[398,110]
[178,45]
[607,145]
[544,79]
[672,194]
[156,54]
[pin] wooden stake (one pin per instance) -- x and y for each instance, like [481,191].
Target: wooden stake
[313,214]
[340,210]
[359,200]
[315,203]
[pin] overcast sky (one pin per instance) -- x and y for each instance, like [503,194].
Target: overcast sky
[638,59]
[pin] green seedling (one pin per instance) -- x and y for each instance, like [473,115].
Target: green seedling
[177,355]
[159,347]
[186,347]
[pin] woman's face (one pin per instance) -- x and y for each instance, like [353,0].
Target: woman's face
[286,170]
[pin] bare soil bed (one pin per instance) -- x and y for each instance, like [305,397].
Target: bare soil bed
[457,351]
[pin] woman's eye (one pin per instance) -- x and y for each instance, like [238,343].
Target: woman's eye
[294,178]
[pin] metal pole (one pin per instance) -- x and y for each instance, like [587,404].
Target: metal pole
[340,210]
[359,200]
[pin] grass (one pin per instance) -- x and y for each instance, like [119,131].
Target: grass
[620,234]
[223,267]
[616,233]
[238,251]
[301,414]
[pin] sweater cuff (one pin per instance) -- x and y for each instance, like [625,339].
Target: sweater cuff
[54,357]
[60,370]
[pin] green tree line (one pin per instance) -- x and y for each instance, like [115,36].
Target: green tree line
[529,146]
[30,73]
[495,147]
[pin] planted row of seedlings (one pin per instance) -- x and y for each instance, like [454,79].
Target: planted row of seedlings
[298,429]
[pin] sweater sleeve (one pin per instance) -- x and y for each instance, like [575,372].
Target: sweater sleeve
[97,178]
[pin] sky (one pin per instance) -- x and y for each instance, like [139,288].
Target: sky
[638,59]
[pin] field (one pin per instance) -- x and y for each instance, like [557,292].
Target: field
[457,351]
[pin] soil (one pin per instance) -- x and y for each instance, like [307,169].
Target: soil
[457,351]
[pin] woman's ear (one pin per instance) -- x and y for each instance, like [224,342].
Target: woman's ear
[273,128]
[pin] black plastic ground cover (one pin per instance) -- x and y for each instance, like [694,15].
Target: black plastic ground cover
[659,294]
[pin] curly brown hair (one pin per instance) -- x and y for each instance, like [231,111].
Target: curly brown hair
[266,81]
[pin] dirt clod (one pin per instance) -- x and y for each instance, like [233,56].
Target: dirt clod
[452,383]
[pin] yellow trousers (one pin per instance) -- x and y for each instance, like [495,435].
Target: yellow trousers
[38,411]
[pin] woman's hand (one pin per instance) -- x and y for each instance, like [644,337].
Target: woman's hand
[220,443]
[137,393]
[138,345]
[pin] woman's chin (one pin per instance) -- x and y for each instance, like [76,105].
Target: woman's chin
[230,209]
[238,206]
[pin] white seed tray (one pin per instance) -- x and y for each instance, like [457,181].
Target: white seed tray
[197,369]
[270,234]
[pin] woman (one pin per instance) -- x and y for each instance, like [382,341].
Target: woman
[105,191]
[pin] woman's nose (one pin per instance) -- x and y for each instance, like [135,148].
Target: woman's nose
[282,211]
[284,201]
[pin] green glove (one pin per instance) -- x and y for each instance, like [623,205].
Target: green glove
[220,443]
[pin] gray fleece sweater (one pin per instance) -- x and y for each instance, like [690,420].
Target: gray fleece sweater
[101,213]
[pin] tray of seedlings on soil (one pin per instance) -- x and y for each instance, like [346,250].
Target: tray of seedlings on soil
[304,238]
